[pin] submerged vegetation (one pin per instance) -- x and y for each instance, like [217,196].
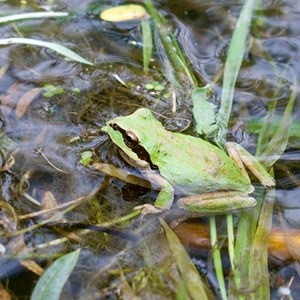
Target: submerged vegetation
[55,196]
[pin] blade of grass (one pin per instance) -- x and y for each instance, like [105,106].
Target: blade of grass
[193,283]
[217,257]
[32,15]
[171,46]
[258,263]
[232,66]
[53,46]
[147,44]
[254,228]
[278,143]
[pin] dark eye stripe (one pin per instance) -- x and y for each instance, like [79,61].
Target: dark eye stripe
[134,145]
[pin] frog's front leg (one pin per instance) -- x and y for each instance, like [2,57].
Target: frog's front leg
[243,158]
[216,202]
[165,196]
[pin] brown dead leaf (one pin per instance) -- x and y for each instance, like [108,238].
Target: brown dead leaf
[25,101]
[4,294]
[32,266]
[49,202]
[125,289]
[8,99]
[9,163]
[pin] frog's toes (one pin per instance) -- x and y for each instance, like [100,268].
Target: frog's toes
[148,209]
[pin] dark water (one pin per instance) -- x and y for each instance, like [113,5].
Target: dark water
[50,134]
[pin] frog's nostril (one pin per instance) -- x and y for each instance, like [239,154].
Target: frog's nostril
[114,126]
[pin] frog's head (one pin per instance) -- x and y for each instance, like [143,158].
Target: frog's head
[130,134]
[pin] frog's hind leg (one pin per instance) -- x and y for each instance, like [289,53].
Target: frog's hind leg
[243,158]
[216,202]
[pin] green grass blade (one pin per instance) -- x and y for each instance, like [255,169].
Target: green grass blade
[254,227]
[278,143]
[217,257]
[171,46]
[53,46]
[258,263]
[32,15]
[193,283]
[147,44]
[232,66]
[51,284]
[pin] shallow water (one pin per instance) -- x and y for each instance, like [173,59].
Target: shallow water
[47,135]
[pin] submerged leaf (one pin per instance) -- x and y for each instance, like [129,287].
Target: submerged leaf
[86,157]
[233,64]
[53,46]
[203,111]
[193,283]
[25,101]
[50,285]
[147,44]
[123,13]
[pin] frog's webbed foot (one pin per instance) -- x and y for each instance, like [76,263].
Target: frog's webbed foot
[243,158]
[148,209]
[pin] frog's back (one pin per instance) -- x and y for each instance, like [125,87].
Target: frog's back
[196,166]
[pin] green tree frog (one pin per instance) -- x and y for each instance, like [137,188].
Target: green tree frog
[209,180]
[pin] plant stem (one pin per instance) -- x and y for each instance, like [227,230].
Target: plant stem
[217,257]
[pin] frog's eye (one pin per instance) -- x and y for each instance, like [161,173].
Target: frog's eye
[131,140]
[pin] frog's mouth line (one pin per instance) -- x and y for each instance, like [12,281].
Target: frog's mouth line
[135,163]
[142,154]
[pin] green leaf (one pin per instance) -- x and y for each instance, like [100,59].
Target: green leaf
[51,90]
[86,158]
[147,44]
[193,283]
[32,15]
[50,285]
[76,90]
[53,46]
[279,140]
[159,87]
[203,111]
[149,86]
[59,91]
[48,95]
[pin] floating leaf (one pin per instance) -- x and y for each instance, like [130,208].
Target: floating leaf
[149,86]
[123,13]
[32,15]
[203,111]
[26,100]
[166,95]
[51,90]
[86,157]
[50,285]
[159,87]
[53,46]
[76,90]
